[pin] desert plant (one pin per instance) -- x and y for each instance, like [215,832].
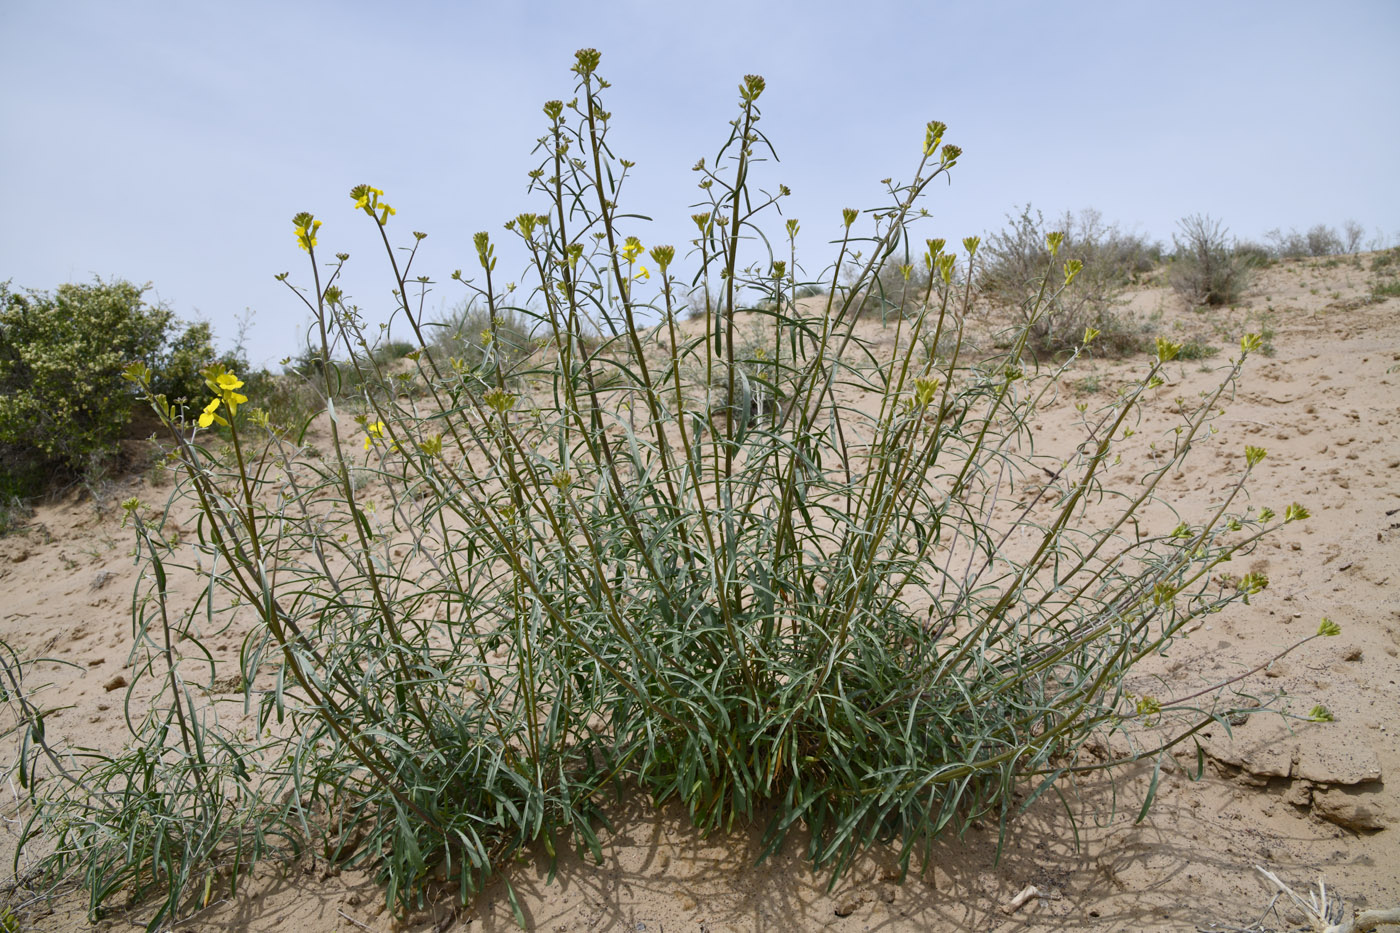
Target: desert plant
[1319,240]
[1198,349]
[14,512]
[1205,268]
[477,338]
[594,568]
[1016,262]
[1254,254]
[1386,288]
[1354,235]
[160,816]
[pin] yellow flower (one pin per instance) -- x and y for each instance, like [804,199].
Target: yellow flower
[373,432]
[306,238]
[642,273]
[225,384]
[631,248]
[209,416]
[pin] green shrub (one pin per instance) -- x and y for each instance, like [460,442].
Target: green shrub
[63,403]
[1017,259]
[1205,268]
[61,359]
[604,570]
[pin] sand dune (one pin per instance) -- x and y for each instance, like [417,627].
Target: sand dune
[1316,797]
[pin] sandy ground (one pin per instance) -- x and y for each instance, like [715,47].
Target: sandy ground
[1310,799]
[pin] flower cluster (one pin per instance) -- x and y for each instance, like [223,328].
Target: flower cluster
[306,227]
[367,199]
[374,431]
[631,249]
[225,386]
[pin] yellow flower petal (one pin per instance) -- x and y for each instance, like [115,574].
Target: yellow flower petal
[209,417]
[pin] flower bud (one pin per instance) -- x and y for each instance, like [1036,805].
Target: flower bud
[499,401]
[586,62]
[485,252]
[663,256]
[933,135]
[924,389]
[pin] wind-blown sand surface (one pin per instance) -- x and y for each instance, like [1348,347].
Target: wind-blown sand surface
[1299,798]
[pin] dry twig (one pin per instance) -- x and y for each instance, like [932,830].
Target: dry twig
[1325,914]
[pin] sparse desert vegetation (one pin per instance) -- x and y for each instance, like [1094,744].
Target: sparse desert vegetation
[980,549]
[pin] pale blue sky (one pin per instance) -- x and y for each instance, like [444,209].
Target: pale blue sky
[172,142]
